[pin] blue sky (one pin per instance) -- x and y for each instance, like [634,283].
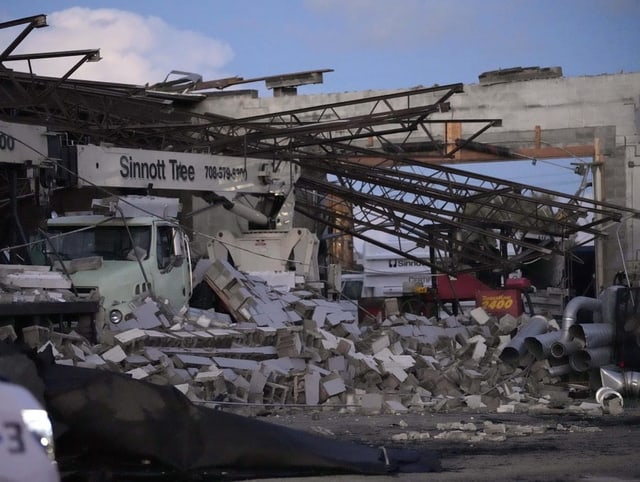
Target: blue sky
[370,44]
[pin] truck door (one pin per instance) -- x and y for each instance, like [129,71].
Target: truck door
[172,273]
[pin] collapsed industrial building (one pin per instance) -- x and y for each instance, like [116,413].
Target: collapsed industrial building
[179,236]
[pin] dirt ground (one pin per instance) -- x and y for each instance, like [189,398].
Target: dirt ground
[559,446]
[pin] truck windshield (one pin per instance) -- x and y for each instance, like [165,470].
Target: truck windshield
[110,242]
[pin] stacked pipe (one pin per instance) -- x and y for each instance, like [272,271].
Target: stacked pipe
[595,341]
[516,349]
[572,347]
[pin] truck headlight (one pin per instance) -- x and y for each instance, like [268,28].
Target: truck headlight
[115,316]
[38,423]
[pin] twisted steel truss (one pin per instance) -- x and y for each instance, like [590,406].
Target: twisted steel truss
[369,164]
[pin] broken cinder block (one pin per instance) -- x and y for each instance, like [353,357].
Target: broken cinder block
[35,336]
[115,354]
[7,332]
[479,315]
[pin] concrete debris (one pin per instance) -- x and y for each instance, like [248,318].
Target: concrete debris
[485,432]
[299,348]
[8,333]
[410,436]
[479,315]
[19,276]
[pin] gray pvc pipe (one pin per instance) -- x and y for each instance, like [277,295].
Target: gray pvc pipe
[560,370]
[571,311]
[583,360]
[591,335]
[562,348]
[565,346]
[540,345]
[605,393]
[536,325]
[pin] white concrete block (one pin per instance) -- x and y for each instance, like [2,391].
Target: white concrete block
[507,323]
[395,406]
[211,373]
[130,336]
[337,364]
[257,381]
[115,354]
[506,408]
[474,401]
[380,344]
[312,388]
[185,360]
[94,359]
[479,350]
[137,373]
[479,315]
[333,386]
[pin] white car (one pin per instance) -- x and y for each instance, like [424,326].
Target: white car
[26,438]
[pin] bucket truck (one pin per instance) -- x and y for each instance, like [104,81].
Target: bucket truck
[132,245]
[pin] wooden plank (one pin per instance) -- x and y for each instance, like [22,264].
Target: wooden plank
[222,296]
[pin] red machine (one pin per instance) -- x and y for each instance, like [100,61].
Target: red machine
[451,291]
[500,301]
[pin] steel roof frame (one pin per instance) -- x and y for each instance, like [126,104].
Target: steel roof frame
[449,210]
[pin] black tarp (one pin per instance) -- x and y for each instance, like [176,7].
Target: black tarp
[110,417]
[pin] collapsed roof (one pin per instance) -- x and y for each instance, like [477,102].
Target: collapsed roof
[401,188]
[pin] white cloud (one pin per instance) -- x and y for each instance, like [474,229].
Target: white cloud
[134,49]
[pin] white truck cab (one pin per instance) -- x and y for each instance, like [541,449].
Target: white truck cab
[136,247]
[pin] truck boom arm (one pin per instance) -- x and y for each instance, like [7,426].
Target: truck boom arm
[226,180]
[225,175]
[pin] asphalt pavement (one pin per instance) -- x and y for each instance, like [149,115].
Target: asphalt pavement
[558,446]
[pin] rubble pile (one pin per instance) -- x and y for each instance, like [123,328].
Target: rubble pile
[299,348]
[33,284]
